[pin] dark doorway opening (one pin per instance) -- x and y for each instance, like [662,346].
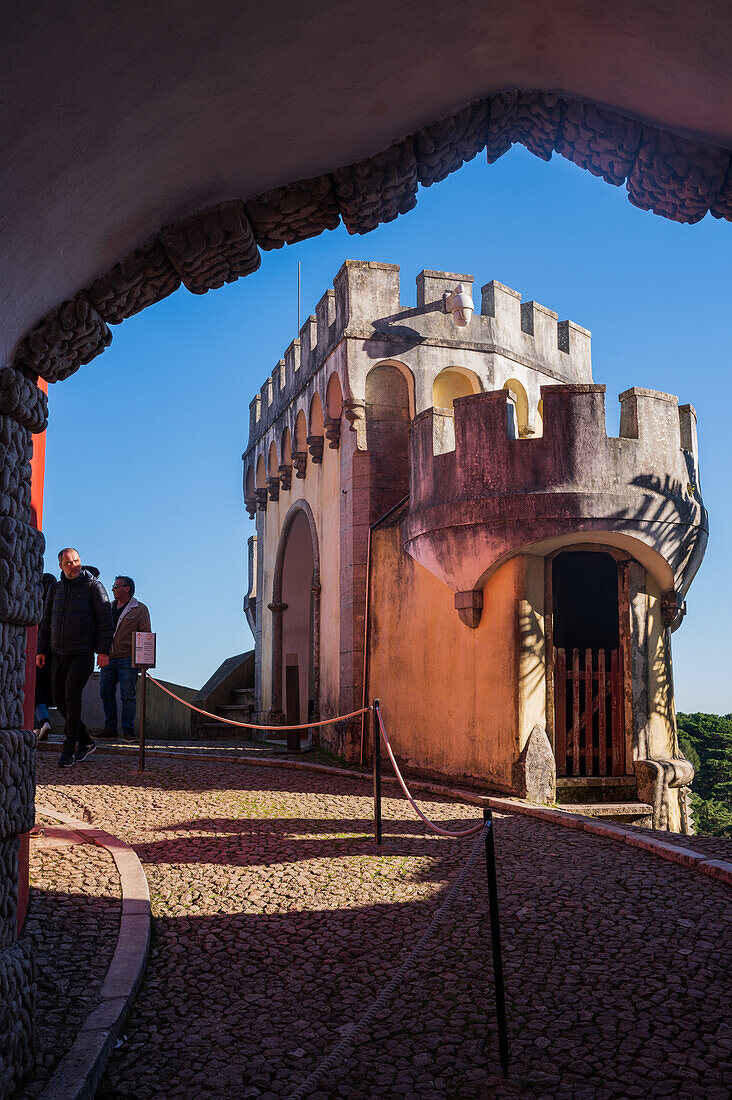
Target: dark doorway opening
[589,708]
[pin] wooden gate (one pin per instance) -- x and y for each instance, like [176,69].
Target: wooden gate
[589,712]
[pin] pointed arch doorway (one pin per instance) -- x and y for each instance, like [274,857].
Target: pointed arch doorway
[295,609]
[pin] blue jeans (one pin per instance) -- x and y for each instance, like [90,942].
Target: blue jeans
[118,671]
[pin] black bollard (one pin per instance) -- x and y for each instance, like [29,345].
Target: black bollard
[490,866]
[377,770]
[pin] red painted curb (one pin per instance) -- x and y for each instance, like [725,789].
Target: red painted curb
[80,1070]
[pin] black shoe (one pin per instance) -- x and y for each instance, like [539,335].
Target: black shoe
[66,760]
[129,735]
[84,750]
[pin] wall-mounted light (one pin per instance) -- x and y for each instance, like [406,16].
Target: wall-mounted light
[460,304]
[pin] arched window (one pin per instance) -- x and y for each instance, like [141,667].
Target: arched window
[519,404]
[387,435]
[451,383]
[334,398]
[261,473]
[286,447]
[272,461]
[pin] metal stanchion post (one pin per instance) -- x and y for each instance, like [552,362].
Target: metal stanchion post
[377,771]
[490,866]
[143,709]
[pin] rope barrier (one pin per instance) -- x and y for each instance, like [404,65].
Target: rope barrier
[384,997]
[430,824]
[251,725]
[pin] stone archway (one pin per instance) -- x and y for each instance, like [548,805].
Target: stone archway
[59,313]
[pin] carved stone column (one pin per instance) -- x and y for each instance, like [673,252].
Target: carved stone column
[276,715]
[22,411]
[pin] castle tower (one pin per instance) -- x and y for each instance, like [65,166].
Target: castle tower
[524,569]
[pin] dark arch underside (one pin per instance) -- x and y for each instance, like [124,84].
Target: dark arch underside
[674,176]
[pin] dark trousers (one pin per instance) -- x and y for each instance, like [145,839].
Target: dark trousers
[70,673]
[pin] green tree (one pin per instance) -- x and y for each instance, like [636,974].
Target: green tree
[706,740]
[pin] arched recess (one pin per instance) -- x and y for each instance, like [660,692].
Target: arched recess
[261,473]
[300,450]
[334,398]
[333,411]
[272,461]
[454,382]
[316,434]
[520,405]
[286,447]
[316,416]
[388,404]
[250,500]
[295,611]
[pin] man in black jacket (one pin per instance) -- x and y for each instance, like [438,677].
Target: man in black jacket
[76,624]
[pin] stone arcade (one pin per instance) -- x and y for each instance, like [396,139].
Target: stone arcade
[522,569]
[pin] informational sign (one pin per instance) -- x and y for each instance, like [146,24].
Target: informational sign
[144,652]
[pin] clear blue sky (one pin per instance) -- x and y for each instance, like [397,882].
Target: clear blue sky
[144,443]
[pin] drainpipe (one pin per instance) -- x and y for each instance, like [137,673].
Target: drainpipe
[367,616]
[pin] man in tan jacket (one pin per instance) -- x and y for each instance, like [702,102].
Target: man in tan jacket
[129,616]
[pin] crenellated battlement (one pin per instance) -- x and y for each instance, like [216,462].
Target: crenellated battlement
[505,493]
[505,336]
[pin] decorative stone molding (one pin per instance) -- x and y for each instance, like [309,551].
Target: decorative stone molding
[469,606]
[15,481]
[333,432]
[214,247]
[378,189]
[140,280]
[17,998]
[17,781]
[673,609]
[273,487]
[675,176]
[353,411]
[285,469]
[261,498]
[300,461]
[601,141]
[69,336]
[532,118]
[12,680]
[444,146]
[250,503]
[22,400]
[21,566]
[290,214]
[655,778]
[722,205]
[315,446]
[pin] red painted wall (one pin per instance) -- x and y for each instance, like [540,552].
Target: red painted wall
[38,469]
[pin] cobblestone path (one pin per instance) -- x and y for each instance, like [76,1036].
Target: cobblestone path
[73,899]
[276,923]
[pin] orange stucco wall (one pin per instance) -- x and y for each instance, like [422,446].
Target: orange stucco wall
[449,694]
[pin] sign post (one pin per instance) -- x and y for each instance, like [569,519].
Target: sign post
[143,656]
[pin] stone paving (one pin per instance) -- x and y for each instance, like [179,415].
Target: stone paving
[277,922]
[72,922]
